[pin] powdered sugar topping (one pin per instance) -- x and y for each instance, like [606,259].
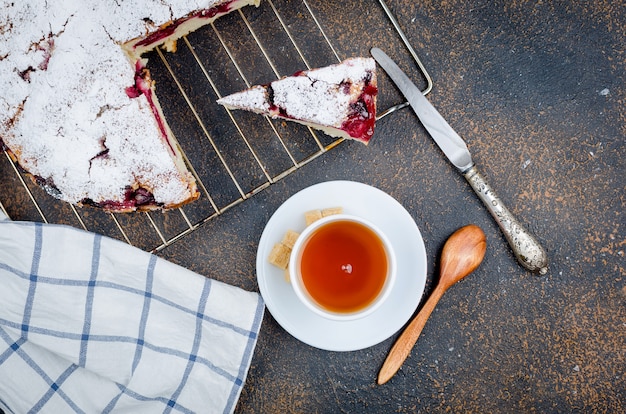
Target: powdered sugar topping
[321,96]
[63,106]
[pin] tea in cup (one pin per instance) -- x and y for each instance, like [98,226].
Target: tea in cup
[342,267]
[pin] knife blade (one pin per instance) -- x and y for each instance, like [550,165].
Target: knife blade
[525,246]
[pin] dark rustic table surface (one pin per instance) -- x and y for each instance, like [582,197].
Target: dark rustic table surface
[536,88]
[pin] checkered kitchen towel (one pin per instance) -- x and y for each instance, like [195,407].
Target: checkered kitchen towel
[91,324]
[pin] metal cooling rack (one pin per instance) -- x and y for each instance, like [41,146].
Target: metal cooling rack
[233,155]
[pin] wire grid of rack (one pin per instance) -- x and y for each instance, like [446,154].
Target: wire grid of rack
[233,155]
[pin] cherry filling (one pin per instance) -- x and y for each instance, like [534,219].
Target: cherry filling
[273,108]
[132,199]
[142,86]
[25,74]
[46,46]
[167,31]
[360,122]
[102,154]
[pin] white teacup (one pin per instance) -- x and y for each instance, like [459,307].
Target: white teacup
[342,267]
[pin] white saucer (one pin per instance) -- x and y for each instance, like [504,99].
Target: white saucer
[389,215]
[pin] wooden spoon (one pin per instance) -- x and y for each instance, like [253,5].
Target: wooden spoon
[461,255]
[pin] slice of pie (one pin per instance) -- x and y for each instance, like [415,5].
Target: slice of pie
[78,109]
[338,99]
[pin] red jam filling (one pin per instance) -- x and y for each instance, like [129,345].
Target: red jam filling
[143,87]
[360,124]
[132,199]
[46,46]
[167,31]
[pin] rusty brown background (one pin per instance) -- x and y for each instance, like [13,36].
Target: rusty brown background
[537,90]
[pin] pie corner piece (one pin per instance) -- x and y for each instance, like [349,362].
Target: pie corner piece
[339,100]
[76,117]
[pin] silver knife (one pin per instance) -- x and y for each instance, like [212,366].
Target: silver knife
[526,248]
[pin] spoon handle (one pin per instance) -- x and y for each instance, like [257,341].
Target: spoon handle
[405,342]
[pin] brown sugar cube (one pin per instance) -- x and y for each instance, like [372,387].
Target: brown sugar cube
[290,238]
[312,216]
[331,211]
[287,276]
[279,256]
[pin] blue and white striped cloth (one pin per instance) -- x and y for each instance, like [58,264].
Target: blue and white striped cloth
[90,324]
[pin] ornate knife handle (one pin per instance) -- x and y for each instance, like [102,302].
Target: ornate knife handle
[526,248]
